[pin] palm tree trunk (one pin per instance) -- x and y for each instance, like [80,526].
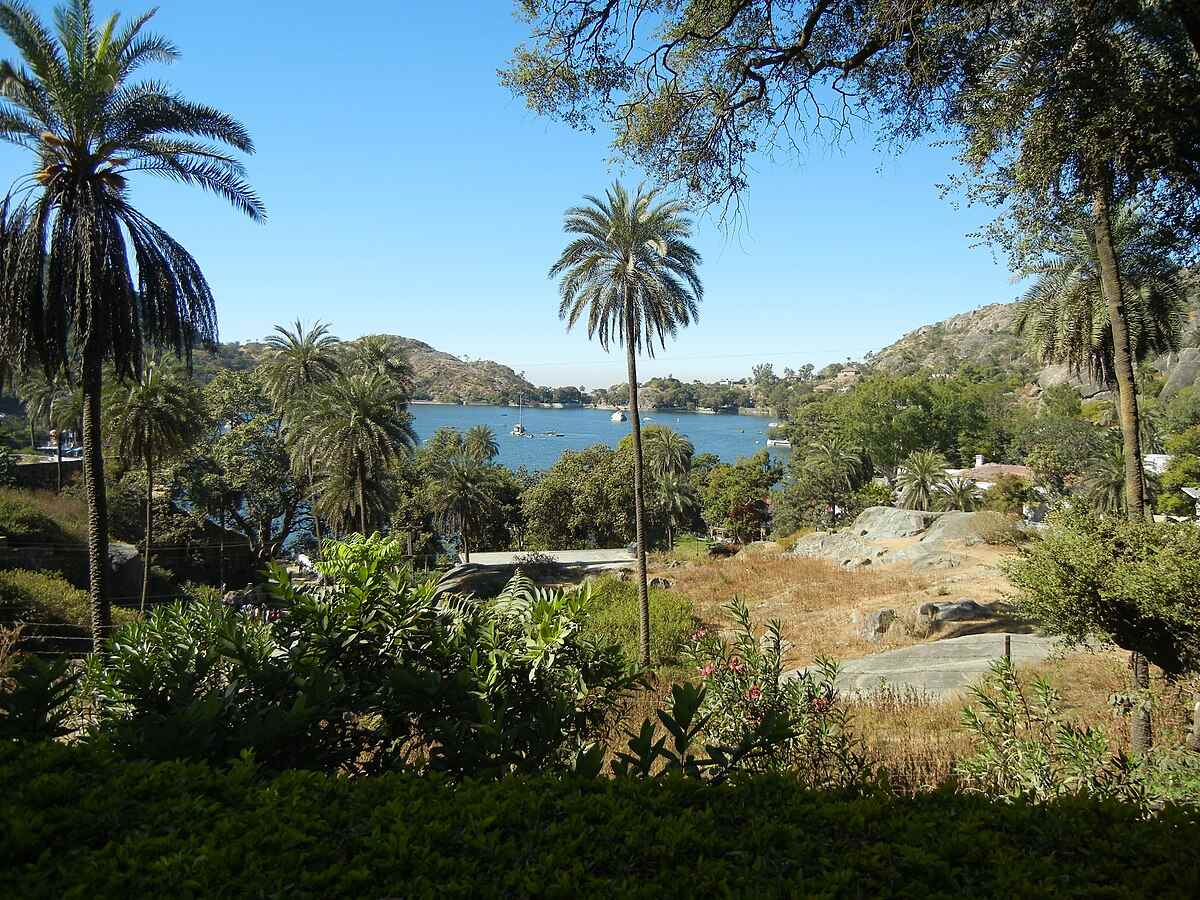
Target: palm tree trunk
[1141,734]
[362,505]
[58,472]
[149,528]
[1110,283]
[466,541]
[635,424]
[93,473]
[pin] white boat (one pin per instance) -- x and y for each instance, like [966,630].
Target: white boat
[518,430]
[618,416]
[779,442]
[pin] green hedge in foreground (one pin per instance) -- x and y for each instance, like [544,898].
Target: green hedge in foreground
[78,825]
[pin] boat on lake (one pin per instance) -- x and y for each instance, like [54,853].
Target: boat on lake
[518,430]
[618,416]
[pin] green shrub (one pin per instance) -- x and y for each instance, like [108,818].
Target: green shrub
[22,523]
[48,598]
[76,823]
[8,463]
[613,617]
[999,530]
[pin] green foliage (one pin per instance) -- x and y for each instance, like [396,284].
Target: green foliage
[1135,584]
[734,497]
[922,480]
[746,691]
[184,827]
[372,670]
[1025,749]
[8,463]
[36,703]
[1182,471]
[584,500]
[48,598]
[1009,494]
[22,523]
[613,619]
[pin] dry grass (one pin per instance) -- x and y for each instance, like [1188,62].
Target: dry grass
[815,601]
[68,510]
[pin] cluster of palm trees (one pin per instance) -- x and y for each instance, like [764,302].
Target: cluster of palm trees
[924,484]
[670,457]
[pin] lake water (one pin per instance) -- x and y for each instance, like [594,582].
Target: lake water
[729,437]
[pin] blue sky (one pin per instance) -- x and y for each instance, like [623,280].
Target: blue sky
[409,193]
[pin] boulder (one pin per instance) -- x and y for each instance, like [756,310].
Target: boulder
[923,557]
[877,523]
[840,547]
[961,610]
[966,527]
[877,624]
[663,584]
[1184,372]
[127,568]
[472,578]
[1056,375]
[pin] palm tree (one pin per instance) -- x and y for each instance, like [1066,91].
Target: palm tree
[1070,318]
[960,494]
[480,443]
[1103,483]
[47,400]
[300,359]
[632,275]
[69,232]
[676,498]
[460,493]
[922,478]
[840,462]
[149,420]
[383,354]
[669,452]
[355,424]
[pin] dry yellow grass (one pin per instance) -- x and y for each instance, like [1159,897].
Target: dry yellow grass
[815,601]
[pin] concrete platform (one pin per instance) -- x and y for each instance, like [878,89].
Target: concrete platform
[942,669]
[618,558]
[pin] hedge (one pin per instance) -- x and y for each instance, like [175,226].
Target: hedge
[77,824]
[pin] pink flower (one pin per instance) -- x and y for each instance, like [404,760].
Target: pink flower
[699,634]
[736,664]
[821,704]
[754,693]
[706,670]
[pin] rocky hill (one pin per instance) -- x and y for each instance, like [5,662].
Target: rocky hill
[439,375]
[986,338]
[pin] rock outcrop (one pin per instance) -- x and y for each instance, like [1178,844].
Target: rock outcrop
[859,544]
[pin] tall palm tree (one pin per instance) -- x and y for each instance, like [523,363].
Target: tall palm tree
[300,359]
[355,424]
[669,452]
[630,273]
[840,461]
[68,232]
[148,421]
[960,494]
[480,443]
[922,479]
[676,498]
[460,493]
[1070,318]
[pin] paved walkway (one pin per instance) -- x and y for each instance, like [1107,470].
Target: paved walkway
[618,557]
[941,668]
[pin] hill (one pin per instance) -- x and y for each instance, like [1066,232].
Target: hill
[986,338]
[439,375]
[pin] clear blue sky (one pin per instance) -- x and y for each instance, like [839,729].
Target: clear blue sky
[409,193]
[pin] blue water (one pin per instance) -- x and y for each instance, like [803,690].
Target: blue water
[729,437]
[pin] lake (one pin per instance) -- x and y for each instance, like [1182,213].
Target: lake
[729,437]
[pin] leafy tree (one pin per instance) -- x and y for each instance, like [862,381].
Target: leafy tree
[1132,583]
[460,494]
[355,424]
[631,273]
[480,443]
[1009,494]
[734,497]
[584,500]
[69,242]
[1182,471]
[1067,315]
[838,466]
[149,421]
[677,500]
[922,479]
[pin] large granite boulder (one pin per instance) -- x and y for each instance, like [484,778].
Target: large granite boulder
[880,523]
[1184,372]
[967,527]
[923,557]
[963,610]
[840,547]
[1056,375]
[877,624]
[126,570]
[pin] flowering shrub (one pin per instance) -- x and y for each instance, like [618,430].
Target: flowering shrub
[745,687]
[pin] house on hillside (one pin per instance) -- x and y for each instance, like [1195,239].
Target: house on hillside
[840,383]
[985,474]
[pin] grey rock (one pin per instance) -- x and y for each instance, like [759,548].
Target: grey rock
[1055,375]
[663,584]
[959,611]
[877,523]
[877,624]
[840,547]
[923,557]
[954,526]
[1184,372]
[126,566]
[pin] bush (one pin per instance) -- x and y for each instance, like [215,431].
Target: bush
[8,464]
[23,523]
[46,598]
[613,617]
[77,823]
[999,530]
